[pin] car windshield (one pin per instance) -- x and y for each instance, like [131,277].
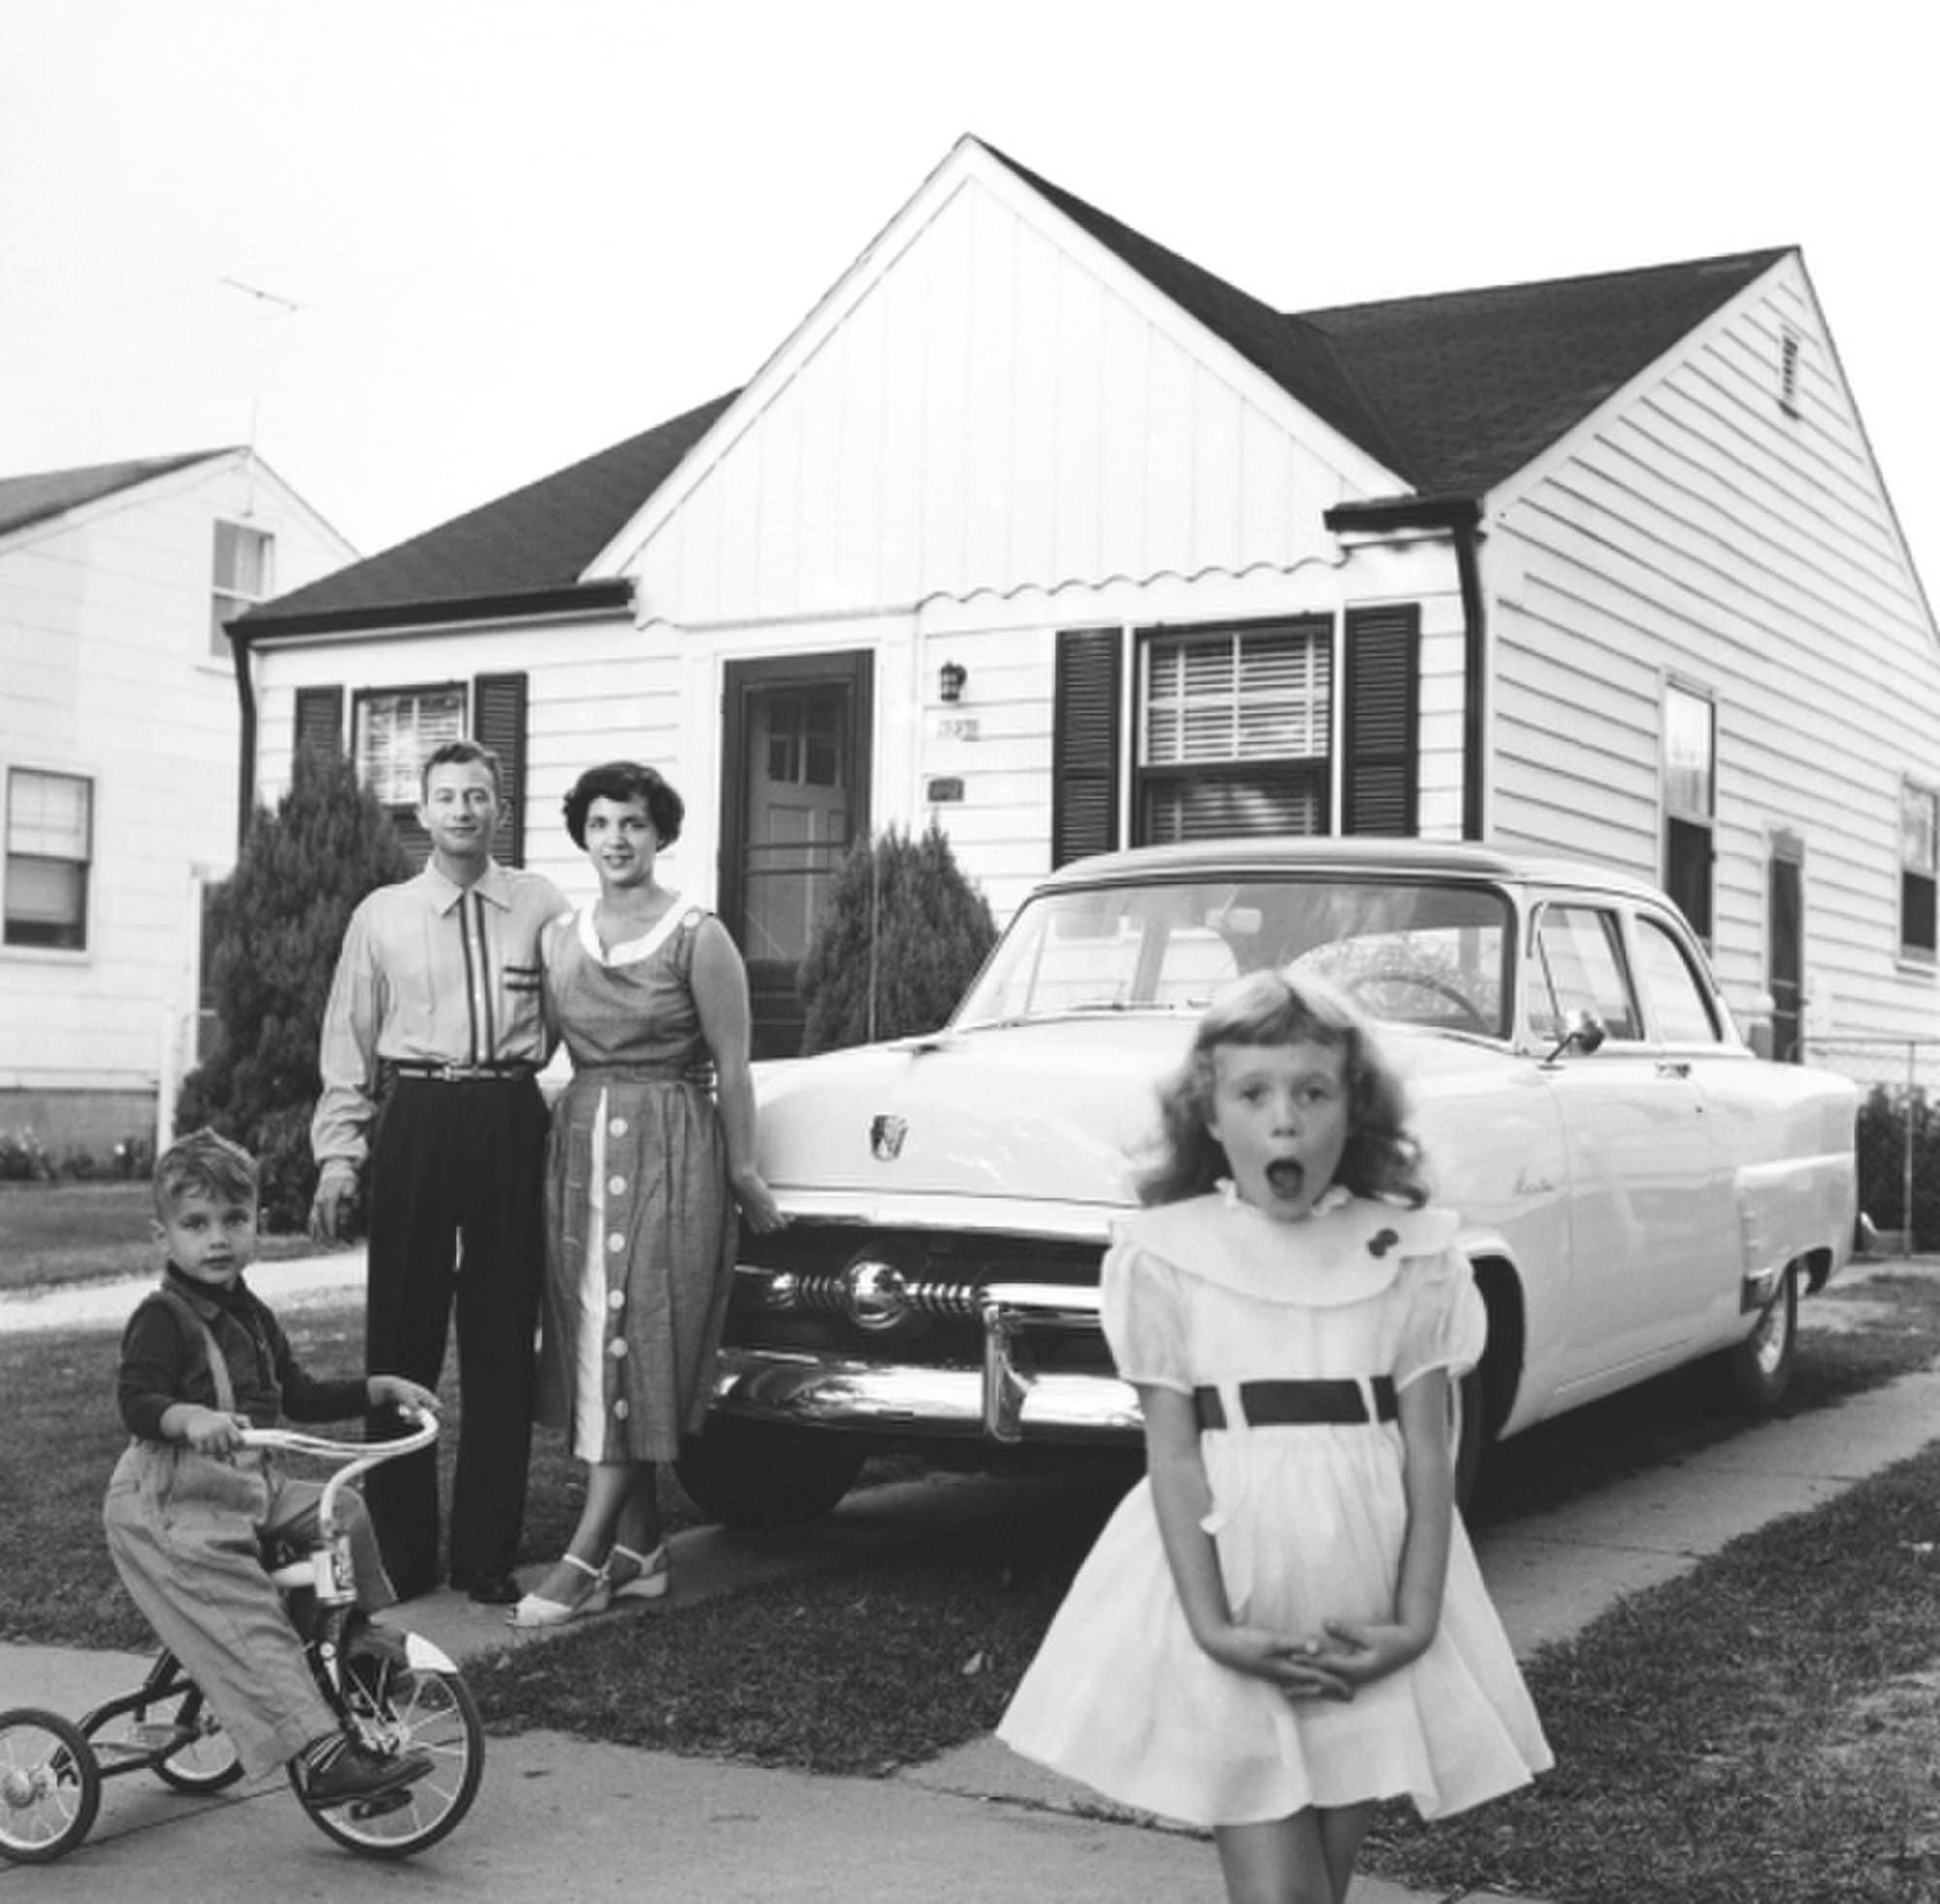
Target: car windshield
[1413,951]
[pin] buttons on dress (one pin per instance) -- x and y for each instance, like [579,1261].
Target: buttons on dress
[617,1349]
[616,1243]
[616,1185]
[619,1409]
[616,1300]
[617,1127]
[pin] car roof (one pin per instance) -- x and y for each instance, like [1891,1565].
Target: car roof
[1252,858]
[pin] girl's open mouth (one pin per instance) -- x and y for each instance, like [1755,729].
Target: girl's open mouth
[1285,1176]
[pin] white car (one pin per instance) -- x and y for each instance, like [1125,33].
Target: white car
[1637,1188]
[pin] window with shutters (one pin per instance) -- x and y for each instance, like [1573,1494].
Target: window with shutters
[1233,726]
[395,730]
[1690,783]
[1380,743]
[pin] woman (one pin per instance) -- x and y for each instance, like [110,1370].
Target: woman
[646,1166]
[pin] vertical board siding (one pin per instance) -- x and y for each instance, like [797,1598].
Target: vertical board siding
[1704,532]
[992,413]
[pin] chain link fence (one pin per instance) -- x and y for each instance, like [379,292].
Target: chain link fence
[1899,1132]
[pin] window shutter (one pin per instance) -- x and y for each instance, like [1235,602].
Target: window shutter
[319,719]
[1086,743]
[1380,765]
[499,721]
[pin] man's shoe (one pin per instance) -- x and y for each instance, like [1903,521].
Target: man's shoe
[337,1770]
[492,1589]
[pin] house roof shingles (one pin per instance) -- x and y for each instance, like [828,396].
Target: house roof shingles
[536,542]
[1452,391]
[27,500]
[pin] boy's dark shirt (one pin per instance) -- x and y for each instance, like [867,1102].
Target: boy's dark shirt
[165,1361]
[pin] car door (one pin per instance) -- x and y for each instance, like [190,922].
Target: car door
[1693,1031]
[1642,1182]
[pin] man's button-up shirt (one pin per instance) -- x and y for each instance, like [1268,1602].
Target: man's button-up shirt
[431,972]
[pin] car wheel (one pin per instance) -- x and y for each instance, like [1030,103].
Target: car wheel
[763,1474]
[1755,1373]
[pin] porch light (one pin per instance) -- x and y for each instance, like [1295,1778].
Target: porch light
[951,679]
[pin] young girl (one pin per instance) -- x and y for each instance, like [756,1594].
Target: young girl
[1285,1623]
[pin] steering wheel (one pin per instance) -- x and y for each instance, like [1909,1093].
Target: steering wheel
[1369,986]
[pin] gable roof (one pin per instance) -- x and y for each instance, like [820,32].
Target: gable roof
[1454,392]
[524,552]
[32,498]
[1477,383]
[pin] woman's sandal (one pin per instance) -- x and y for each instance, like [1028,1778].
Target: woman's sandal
[651,1575]
[535,1610]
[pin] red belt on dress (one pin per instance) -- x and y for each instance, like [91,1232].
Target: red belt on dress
[1294,1403]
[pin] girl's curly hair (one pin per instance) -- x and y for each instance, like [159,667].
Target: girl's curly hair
[1381,1158]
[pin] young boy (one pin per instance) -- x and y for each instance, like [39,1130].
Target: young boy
[188,1507]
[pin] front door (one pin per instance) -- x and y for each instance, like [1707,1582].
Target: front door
[795,797]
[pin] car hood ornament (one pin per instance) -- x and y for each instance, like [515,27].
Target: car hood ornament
[885,1138]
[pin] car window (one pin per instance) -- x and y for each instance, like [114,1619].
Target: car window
[1580,967]
[1416,951]
[1680,1005]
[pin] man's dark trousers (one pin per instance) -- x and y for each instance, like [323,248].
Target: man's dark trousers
[457,1211]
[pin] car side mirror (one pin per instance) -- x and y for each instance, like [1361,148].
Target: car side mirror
[1586,1032]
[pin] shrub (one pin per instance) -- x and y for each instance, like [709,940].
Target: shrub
[1899,1137]
[276,923]
[23,1158]
[901,935]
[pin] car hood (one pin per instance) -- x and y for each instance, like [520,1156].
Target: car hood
[1048,1113]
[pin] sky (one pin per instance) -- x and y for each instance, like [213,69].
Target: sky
[420,252]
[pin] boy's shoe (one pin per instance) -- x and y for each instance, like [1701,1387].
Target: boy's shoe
[336,1770]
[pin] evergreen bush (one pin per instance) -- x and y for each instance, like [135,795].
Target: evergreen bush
[901,935]
[276,924]
[1899,1137]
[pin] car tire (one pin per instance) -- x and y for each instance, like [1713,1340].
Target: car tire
[1754,1374]
[765,1474]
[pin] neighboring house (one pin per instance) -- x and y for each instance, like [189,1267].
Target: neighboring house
[119,769]
[1037,529]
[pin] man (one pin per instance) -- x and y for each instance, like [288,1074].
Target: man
[432,1041]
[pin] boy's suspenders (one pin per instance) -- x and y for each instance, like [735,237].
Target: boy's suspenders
[219,1363]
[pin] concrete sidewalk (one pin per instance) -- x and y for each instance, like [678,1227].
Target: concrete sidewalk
[567,1819]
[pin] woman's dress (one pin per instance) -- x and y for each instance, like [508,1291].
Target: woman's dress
[1308,1521]
[640,1219]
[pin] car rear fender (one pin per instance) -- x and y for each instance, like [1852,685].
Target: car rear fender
[1794,1209]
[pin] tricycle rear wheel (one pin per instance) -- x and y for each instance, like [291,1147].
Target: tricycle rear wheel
[49,1786]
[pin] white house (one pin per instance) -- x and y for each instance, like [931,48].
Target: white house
[120,766]
[1034,526]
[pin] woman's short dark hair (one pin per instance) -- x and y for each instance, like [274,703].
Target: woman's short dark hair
[624,781]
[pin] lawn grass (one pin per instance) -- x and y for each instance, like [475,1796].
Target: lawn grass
[1759,1732]
[58,1233]
[63,1437]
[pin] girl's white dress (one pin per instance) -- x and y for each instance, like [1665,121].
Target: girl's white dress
[1307,1520]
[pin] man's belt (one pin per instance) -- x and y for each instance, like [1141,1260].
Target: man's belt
[459,1073]
[1294,1403]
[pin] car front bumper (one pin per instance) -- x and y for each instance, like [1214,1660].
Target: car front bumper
[1006,1400]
